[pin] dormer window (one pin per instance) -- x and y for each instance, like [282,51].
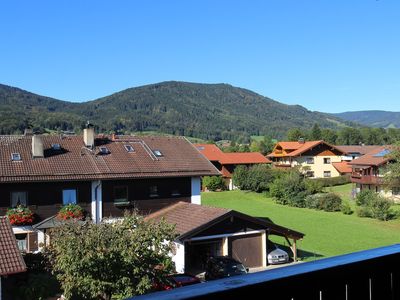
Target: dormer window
[104,150]
[16,157]
[200,148]
[56,147]
[129,148]
[157,153]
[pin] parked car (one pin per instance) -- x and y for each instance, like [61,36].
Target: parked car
[223,266]
[277,256]
[176,280]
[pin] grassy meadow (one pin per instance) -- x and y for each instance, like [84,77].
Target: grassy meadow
[326,233]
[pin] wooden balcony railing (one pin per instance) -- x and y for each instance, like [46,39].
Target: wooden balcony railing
[370,274]
[366,179]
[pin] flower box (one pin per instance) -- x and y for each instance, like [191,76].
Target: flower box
[20,215]
[70,211]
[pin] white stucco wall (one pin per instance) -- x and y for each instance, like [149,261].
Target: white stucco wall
[318,167]
[196,190]
[179,257]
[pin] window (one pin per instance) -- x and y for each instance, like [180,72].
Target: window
[21,242]
[327,173]
[69,196]
[19,198]
[157,153]
[175,193]
[310,174]
[310,160]
[121,195]
[327,160]
[200,147]
[56,146]
[153,191]
[16,156]
[129,148]
[104,150]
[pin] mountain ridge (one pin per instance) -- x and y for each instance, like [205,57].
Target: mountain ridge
[372,118]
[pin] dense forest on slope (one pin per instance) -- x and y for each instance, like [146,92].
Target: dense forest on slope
[207,111]
[373,118]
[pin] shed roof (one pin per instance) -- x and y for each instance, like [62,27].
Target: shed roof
[11,260]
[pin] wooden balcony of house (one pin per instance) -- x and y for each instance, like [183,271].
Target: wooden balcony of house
[366,179]
[369,274]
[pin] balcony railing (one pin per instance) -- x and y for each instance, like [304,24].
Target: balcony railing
[366,179]
[370,274]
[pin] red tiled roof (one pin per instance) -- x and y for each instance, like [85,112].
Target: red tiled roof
[76,162]
[342,167]
[297,148]
[372,158]
[11,260]
[362,149]
[213,153]
[193,218]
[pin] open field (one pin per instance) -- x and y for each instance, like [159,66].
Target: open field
[326,233]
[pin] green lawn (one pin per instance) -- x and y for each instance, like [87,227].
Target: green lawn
[326,233]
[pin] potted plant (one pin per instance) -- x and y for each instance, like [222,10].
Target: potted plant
[20,215]
[70,211]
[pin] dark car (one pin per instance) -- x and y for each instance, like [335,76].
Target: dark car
[223,266]
[176,280]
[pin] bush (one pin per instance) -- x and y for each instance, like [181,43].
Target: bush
[380,209]
[346,208]
[289,189]
[313,186]
[213,183]
[256,178]
[365,198]
[373,205]
[324,201]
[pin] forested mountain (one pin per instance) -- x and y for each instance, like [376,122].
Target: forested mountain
[208,111]
[373,118]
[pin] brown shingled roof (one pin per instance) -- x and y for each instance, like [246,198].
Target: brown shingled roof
[191,219]
[76,162]
[376,157]
[11,260]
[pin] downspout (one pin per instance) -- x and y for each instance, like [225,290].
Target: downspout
[96,217]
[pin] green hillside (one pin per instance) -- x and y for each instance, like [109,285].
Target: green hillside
[373,118]
[207,111]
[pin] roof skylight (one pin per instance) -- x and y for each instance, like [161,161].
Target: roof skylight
[16,157]
[157,153]
[56,146]
[129,148]
[104,150]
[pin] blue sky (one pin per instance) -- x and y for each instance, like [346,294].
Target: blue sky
[326,55]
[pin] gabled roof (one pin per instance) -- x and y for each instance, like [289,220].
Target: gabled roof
[213,153]
[74,161]
[342,167]
[357,149]
[292,149]
[191,219]
[376,157]
[11,260]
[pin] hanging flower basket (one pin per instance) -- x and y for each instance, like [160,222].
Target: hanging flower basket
[20,215]
[70,211]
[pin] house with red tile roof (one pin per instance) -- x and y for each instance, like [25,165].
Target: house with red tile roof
[105,175]
[368,172]
[11,261]
[317,159]
[212,231]
[227,162]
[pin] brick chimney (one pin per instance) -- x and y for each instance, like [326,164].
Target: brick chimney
[37,146]
[88,135]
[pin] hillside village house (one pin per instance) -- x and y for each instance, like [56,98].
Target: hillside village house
[107,175]
[368,172]
[227,162]
[317,159]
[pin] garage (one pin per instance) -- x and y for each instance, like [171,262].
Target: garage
[197,253]
[247,249]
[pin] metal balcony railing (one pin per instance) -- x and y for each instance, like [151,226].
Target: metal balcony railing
[372,274]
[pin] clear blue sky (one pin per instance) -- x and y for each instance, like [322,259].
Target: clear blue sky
[326,55]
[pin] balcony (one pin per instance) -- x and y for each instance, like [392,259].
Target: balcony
[369,274]
[366,179]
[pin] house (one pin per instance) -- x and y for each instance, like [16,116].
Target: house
[352,152]
[212,231]
[368,172]
[316,159]
[104,175]
[227,162]
[11,261]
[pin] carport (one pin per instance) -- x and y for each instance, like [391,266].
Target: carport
[210,231]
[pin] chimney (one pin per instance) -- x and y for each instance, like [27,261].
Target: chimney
[28,132]
[37,146]
[301,140]
[88,135]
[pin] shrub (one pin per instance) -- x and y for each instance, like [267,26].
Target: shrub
[289,189]
[213,183]
[323,201]
[373,205]
[365,197]
[346,208]
[313,186]
[70,211]
[332,181]
[256,178]
[20,216]
[380,209]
